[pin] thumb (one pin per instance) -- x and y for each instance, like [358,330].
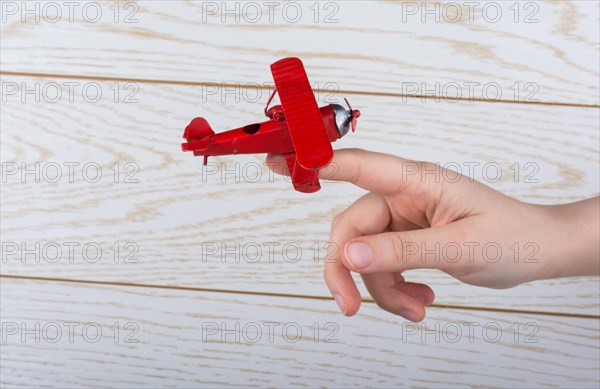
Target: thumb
[430,248]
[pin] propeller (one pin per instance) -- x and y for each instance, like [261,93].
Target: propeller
[355,115]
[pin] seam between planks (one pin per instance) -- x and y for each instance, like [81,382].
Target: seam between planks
[258,87]
[288,295]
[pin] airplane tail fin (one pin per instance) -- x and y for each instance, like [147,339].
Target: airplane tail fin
[197,129]
[197,134]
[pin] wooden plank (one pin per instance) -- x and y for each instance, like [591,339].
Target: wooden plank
[528,51]
[174,219]
[185,339]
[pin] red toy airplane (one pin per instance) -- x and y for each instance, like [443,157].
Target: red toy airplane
[297,128]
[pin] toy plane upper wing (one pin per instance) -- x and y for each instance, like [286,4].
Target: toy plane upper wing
[305,124]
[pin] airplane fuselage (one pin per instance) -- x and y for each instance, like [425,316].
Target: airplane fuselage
[271,136]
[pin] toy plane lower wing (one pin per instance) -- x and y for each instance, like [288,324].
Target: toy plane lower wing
[304,180]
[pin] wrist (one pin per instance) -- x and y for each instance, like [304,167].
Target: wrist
[570,240]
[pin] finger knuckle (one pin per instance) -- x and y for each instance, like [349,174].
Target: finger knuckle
[398,242]
[381,304]
[337,220]
[356,173]
[384,304]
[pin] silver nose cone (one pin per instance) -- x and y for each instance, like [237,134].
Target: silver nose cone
[343,119]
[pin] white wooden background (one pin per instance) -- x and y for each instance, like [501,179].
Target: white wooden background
[171,293]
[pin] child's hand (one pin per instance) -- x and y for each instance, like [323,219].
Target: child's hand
[418,215]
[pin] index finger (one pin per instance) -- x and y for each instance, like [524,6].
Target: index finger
[367,215]
[366,169]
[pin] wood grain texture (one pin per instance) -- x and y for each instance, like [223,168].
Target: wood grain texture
[166,223]
[183,339]
[381,47]
[173,216]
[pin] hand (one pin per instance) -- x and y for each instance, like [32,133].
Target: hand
[419,215]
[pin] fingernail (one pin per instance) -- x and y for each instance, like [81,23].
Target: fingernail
[339,300]
[410,316]
[359,254]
